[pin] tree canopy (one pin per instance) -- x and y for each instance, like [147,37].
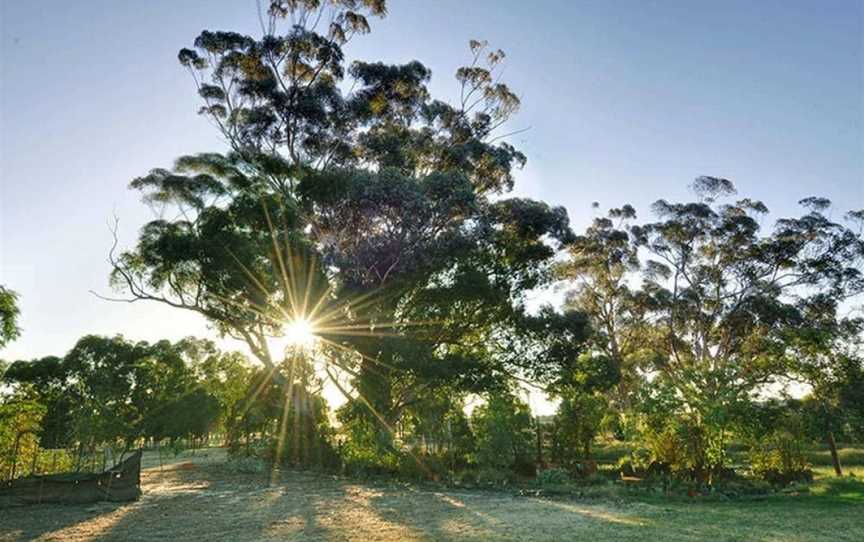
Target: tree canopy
[375,213]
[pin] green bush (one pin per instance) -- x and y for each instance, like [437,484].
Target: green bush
[780,458]
[494,477]
[595,479]
[504,434]
[636,464]
[417,467]
[246,465]
[466,478]
[553,476]
[366,461]
[741,487]
[685,450]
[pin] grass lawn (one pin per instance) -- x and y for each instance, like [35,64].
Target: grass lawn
[206,501]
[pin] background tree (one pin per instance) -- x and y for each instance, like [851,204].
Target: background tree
[824,352]
[45,381]
[601,265]
[576,424]
[724,295]
[110,390]
[503,430]
[20,423]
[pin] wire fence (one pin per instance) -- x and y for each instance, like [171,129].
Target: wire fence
[25,457]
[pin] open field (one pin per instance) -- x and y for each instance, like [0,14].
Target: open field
[209,502]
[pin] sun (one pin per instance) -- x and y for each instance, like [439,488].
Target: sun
[300,333]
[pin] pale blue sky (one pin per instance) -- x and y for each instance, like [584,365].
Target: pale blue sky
[626,101]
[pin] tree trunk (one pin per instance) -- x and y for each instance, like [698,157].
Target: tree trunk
[835,459]
[539,443]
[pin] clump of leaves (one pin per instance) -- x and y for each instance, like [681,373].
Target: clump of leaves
[494,477]
[553,476]
[780,459]
[246,465]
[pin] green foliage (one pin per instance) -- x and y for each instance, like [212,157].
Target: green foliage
[576,425]
[109,391]
[780,458]
[350,186]
[423,467]
[20,419]
[283,423]
[363,456]
[679,447]
[46,380]
[492,476]
[9,312]
[502,428]
[246,465]
[725,295]
[600,264]
[552,477]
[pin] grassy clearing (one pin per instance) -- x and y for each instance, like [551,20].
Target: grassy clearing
[206,501]
[154,459]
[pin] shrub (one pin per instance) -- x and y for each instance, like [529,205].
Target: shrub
[466,478]
[595,479]
[422,467]
[741,487]
[780,459]
[493,477]
[246,465]
[502,428]
[553,476]
[575,427]
[584,468]
[636,464]
[361,459]
[686,450]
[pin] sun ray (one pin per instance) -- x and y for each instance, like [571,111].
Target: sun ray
[378,416]
[280,442]
[320,304]
[310,275]
[249,274]
[358,303]
[251,399]
[357,353]
[277,252]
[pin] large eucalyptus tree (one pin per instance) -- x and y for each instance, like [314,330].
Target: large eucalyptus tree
[349,200]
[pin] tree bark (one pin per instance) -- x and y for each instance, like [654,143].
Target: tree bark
[835,459]
[539,443]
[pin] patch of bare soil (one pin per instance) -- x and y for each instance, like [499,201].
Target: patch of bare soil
[209,503]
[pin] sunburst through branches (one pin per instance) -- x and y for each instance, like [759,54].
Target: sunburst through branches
[309,324]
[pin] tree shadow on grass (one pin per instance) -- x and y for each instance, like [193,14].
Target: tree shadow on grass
[496,516]
[39,522]
[846,489]
[211,503]
[215,505]
[226,506]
